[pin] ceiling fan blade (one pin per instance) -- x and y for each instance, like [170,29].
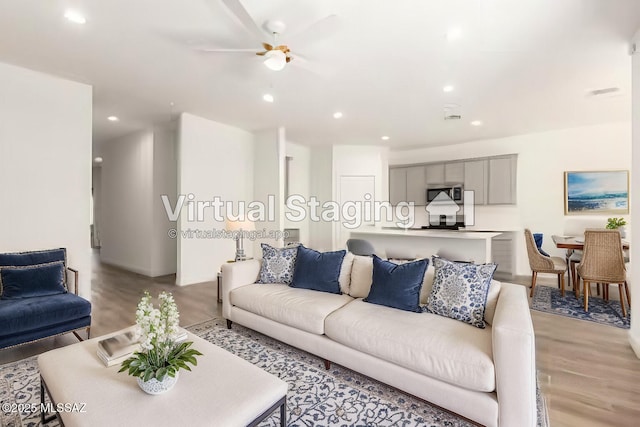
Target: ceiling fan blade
[299,61]
[261,53]
[283,48]
[212,49]
[267,46]
[245,19]
[317,31]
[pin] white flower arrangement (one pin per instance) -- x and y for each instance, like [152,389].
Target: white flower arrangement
[157,329]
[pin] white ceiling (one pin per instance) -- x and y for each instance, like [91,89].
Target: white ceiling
[522,66]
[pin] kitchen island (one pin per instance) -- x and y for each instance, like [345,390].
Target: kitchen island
[458,245]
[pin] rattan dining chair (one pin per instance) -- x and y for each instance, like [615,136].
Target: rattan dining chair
[543,264]
[603,262]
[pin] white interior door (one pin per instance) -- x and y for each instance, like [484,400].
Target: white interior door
[355,190]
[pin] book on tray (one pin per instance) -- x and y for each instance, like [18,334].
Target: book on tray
[116,349]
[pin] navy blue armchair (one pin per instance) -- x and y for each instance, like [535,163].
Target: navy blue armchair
[35,301]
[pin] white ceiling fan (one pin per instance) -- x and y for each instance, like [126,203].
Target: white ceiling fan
[277,56]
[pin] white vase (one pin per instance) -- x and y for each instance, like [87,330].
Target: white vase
[623,232]
[153,386]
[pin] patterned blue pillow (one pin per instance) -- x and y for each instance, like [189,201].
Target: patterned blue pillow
[460,290]
[277,264]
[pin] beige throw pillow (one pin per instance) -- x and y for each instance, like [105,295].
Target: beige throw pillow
[345,273]
[361,276]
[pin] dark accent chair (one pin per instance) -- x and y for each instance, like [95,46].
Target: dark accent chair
[35,301]
[360,247]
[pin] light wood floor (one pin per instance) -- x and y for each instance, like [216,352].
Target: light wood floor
[587,372]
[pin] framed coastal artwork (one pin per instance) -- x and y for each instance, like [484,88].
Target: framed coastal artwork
[596,192]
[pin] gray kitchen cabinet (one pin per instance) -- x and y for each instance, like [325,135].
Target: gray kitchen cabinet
[454,172]
[434,174]
[492,179]
[475,179]
[502,180]
[397,185]
[416,189]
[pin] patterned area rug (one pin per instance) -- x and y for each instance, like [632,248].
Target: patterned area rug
[317,397]
[548,299]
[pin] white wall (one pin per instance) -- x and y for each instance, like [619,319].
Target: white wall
[359,161]
[165,182]
[96,182]
[542,160]
[634,333]
[136,170]
[299,183]
[268,185]
[321,186]
[127,214]
[45,147]
[213,160]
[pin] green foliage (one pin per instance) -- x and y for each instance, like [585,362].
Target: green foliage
[152,364]
[614,223]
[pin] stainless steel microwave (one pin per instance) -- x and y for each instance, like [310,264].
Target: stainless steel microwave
[455,192]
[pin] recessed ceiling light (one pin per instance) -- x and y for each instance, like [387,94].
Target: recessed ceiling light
[454,33]
[337,115]
[268,97]
[75,17]
[98,160]
[447,88]
[385,138]
[476,123]
[113,118]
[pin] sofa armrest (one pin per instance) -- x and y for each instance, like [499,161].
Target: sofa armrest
[75,279]
[514,355]
[234,275]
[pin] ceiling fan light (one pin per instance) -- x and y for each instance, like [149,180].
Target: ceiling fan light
[275,60]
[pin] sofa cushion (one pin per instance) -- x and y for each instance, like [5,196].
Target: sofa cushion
[460,290]
[301,308]
[319,271]
[32,281]
[397,285]
[492,301]
[277,264]
[27,314]
[432,345]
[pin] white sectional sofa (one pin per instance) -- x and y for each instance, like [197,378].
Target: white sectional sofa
[486,375]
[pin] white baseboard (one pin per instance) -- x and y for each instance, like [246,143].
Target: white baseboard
[126,266]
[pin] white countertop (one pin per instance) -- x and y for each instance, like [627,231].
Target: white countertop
[441,234]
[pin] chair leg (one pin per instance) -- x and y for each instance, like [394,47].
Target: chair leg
[626,290]
[587,288]
[574,275]
[622,303]
[534,276]
[576,285]
[561,280]
[605,291]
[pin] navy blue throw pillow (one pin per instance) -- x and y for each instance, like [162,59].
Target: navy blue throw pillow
[397,285]
[317,270]
[33,281]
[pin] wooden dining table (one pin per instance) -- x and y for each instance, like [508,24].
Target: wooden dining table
[575,243]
